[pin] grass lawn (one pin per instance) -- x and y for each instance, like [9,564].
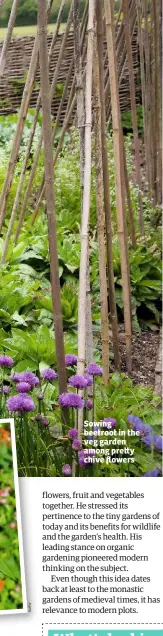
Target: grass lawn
[27,30]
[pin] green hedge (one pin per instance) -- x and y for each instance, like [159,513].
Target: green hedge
[27,12]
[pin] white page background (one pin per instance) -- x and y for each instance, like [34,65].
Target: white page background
[31,512]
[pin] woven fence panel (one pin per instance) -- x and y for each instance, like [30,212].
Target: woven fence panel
[18,60]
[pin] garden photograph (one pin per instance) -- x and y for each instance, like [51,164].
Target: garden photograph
[80,240]
[10,574]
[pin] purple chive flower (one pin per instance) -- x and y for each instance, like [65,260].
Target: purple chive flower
[71,400]
[30,378]
[94,369]
[78,381]
[70,360]
[89,380]
[77,445]
[147,439]
[110,422]
[16,377]
[153,440]
[72,433]
[49,374]
[41,419]
[137,424]
[66,470]
[157,442]
[23,387]
[145,429]
[6,389]
[89,404]
[152,473]
[6,361]
[131,419]
[20,403]
[135,421]
[81,459]
[40,396]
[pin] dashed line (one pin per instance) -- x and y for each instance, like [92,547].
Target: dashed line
[95,625]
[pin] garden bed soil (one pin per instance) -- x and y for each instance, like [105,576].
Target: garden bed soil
[144,356]
[158,370]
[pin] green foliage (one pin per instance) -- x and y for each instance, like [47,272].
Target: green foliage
[30,304]
[69,303]
[19,286]
[27,12]
[31,349]
[127,121]
[146,279]
[10,583]
[8,126]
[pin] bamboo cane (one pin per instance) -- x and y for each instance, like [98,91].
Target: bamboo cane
[86,197]
[7,39]
[39,145]
[100,219]
[79,87]
[143,90]
[125,5]
[29,145]
[20,125]
[150,58]
[48,157]
[128,197]
[109,16]
[119,34]
[149,95]
[121,57]
[107,206]
[157,91]
[150,61]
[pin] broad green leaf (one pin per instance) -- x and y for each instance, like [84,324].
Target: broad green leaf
[7,568]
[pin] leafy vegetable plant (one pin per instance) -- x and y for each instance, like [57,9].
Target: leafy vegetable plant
[10,578]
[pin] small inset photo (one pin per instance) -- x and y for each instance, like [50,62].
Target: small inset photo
[12,574]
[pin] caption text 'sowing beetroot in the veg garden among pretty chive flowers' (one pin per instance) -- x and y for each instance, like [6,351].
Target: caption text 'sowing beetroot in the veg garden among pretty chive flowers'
[47,444]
